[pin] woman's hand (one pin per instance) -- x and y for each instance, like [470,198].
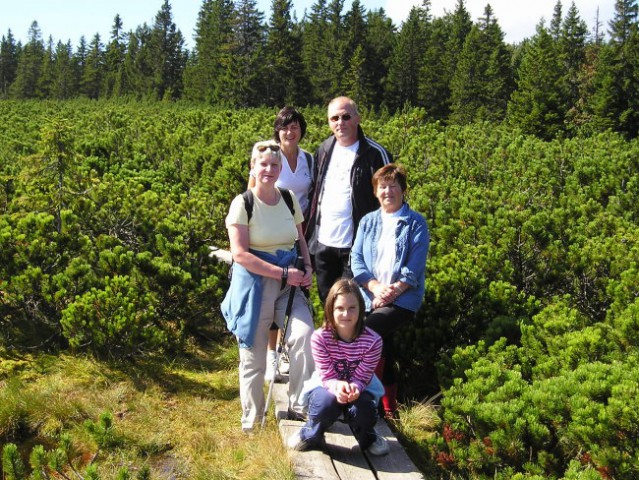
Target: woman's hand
[299,278]
[385,294]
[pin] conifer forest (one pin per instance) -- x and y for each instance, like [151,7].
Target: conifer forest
[120,156]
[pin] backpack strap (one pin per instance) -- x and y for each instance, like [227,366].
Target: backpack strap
[288,199]
[249,200]
[309,161]
[248,203]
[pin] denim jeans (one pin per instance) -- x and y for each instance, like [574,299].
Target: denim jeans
[324,410]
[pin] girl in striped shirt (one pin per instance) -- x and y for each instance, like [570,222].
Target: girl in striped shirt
[346,354]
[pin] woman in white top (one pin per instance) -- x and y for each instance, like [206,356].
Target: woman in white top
[297,176]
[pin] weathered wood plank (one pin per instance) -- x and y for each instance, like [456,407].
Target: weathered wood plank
[348,459]
[397,465]
[312,464]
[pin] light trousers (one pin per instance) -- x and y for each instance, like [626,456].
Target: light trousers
[298,341]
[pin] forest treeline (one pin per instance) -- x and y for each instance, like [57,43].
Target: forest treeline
[562,81]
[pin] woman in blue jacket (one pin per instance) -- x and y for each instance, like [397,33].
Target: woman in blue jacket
[388,260]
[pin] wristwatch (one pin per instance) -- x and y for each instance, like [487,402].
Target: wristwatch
[284,276]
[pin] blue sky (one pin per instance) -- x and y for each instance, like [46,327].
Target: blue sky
[70,19]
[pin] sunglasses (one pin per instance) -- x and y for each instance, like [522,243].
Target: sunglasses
[273,148]
[345,118]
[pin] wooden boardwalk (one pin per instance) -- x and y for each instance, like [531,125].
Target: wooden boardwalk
[342,458]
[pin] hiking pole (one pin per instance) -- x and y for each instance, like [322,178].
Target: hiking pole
[299,264]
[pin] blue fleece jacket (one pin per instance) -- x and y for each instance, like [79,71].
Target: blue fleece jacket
[411,249]
[241,305]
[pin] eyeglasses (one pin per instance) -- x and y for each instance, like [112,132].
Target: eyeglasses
[345,118]
[273,148]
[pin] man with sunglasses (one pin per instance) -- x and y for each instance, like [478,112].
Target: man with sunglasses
[345,165]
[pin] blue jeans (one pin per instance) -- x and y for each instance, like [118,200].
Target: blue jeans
[324,410]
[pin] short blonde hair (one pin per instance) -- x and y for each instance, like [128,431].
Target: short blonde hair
[265,147]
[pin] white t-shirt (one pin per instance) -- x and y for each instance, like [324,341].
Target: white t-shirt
[336,209]
[298,181]
[386,248]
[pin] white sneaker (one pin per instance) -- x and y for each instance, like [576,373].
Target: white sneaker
[271,359]
[379,447]
[285,364]
[295,442]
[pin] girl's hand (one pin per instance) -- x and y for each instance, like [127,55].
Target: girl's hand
[342,390]
[353,394]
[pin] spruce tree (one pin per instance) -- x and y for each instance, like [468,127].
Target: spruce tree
[434,83]
[244,81]
[536,106]
[213,51]
[556,21]
[355,83]
[315,55]
[114,58]
[8,63]
[336,47]
[615,103]
[378,47]
[63,86]
[45,81]
[79,63]
[285,76]
[461,25]
[91,81]
[572,51]
[29,66]
[406,63]
[166,55]
[482,82]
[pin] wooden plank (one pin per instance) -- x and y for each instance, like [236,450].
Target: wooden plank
[397,465]
[312,464]
[280,399]
[349,461]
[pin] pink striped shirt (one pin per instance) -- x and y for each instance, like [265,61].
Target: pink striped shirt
[353,362]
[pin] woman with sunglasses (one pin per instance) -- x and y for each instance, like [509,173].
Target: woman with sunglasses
[264,254]
[297,175]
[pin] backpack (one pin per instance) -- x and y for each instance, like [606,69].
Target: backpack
[249,200]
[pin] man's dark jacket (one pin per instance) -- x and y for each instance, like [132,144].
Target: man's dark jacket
[370,157]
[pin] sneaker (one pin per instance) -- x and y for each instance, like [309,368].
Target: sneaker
[271,359]
[285,364]
[378,447]
[295,442]
[293,415]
